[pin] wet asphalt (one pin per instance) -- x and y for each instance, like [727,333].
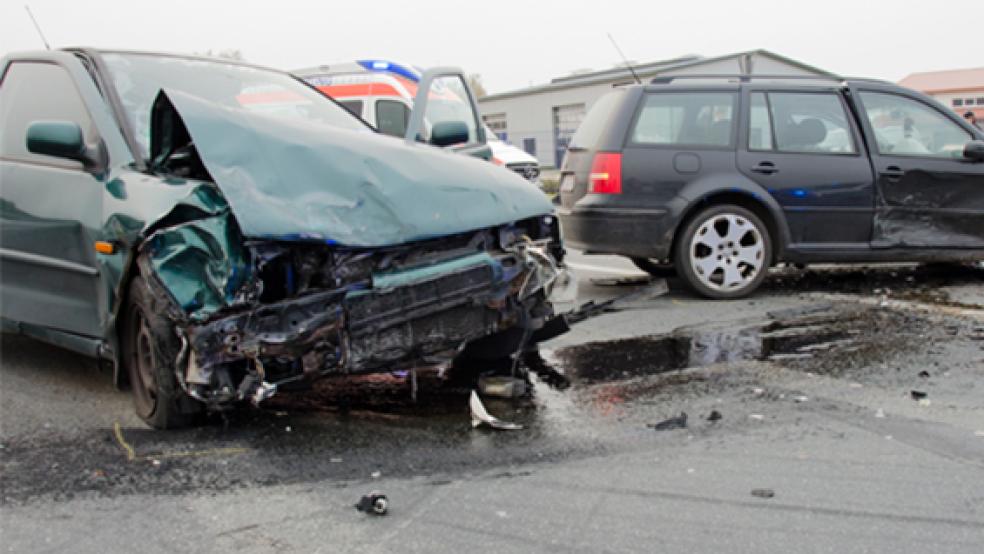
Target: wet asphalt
[804,393]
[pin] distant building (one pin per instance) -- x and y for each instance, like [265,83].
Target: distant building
[541,119]
[960,89]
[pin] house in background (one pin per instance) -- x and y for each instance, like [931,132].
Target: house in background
[542,119]
[960,89]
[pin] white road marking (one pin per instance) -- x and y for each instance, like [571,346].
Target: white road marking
[603,269]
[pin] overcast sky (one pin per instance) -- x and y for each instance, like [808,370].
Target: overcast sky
[510,43]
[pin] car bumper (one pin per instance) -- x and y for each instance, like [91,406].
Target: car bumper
[644,233]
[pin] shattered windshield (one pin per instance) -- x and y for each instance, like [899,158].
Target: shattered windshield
[140,77]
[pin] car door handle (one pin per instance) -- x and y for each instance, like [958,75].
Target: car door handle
[765,168]
[893,173]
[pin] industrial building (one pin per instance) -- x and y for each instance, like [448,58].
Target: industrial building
[541,119]
[960,89]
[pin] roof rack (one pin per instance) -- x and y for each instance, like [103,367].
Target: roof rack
[745,77]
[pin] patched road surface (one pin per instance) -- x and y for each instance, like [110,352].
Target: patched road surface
[838,410]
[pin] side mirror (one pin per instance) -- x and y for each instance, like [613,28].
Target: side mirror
[61,139]
[447,133]
[974,150]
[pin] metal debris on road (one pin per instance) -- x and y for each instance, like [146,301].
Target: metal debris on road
[481,416]
[678,422]
[715,416]
[763,493]
[374,503]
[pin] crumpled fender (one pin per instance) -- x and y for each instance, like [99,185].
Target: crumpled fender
[302,180]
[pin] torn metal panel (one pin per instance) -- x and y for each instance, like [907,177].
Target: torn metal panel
[300,180]
[196,251]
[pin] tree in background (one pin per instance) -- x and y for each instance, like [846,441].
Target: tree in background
[475,82]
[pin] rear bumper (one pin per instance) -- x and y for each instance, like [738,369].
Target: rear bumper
[644,233]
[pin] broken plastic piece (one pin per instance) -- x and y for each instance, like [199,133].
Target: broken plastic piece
[678,422]
[715,416]
[374,503]
[481,416]
[918,394]
[263,391]
[763,493]
[501,386]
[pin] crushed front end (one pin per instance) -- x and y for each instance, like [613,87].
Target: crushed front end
[255,315]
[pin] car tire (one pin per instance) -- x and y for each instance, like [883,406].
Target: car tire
[654,267]
[723,252]
[150,349]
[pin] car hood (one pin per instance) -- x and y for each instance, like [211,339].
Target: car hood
[510,154]
[302,180]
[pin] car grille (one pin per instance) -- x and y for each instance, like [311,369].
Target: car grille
[529,171]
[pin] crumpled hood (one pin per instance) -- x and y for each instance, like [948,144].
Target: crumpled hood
[300,180]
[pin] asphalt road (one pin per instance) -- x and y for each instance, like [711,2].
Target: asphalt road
[812,378]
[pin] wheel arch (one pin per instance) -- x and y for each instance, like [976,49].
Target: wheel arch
[753,199]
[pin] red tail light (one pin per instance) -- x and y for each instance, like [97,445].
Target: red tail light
[606,173]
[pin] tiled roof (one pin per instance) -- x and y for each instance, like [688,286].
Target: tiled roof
[941,81]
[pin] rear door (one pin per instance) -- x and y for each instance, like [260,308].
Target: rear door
[51,208]
[803,147]
[593,134]
[929,195]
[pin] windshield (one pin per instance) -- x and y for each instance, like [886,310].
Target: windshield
[140,77]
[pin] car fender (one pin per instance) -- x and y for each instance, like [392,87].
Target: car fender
[703,191]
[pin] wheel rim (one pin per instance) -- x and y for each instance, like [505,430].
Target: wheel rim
[142,365]
[727,252]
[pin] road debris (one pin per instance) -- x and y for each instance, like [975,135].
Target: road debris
[918,394]
[678,422]
[763,493]
[501,386]
[799,398]
[880,413]
[481,416]
[376,474]
[756,417]
[715,416]
[924,374]
[758,391]
[374,503]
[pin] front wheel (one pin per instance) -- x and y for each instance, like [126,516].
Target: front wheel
[150,349]
[724,252]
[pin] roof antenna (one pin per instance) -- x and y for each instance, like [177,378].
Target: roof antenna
[36,26]
[626,60]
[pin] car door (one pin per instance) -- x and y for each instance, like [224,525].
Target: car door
[51,207]
[928,194]
[445,114]
[801,145]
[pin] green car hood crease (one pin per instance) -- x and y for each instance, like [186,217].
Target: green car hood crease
[300,180]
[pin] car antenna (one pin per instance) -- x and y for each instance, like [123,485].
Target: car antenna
[626,60]
[36,26]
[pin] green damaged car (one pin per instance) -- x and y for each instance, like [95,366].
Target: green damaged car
[217,230]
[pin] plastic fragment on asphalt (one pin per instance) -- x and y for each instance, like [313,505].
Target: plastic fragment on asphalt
[714,416]
[924,402]
[924,374]
[376,474]
[374,503]
[501,386]
[756,417]
[800,398]
[918,394]
[480,416]
[678,422]
[880,413]
[763,493]
[758,391]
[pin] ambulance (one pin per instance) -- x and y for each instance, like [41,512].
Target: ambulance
[382,93]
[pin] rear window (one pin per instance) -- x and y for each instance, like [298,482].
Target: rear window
[686,118]
[594,123]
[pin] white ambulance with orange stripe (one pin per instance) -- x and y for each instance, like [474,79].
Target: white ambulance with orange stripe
[382,93]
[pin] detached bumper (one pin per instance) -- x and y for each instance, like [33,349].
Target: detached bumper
[645,233]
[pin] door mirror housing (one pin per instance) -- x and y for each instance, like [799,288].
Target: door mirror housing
[61,139]
[974,150]
[447,133]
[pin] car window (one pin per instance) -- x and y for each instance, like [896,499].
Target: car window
[354,106]
[760,124]
[34,91]
[392,117]
[812,123]
[589,131]
[905,127]
[689,118]
[448,100]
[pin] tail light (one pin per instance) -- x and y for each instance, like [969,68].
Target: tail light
[606,173]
